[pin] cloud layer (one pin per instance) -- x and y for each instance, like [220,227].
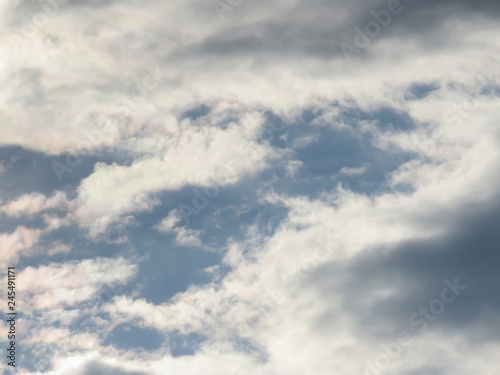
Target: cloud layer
[271,187]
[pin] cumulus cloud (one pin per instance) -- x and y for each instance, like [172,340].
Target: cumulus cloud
[203,156]
[34,203]
[361,138]
[59,285]
[17,243]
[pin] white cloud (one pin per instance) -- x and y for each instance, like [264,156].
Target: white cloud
[17,243]
[60,285]
[183,236]
[34,203]
[198,155]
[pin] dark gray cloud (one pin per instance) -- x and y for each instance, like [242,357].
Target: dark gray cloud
[291,32]
[417,270]
[312,29]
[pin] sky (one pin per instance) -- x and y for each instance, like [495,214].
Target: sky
[251,187]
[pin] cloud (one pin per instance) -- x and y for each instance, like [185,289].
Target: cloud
[382,286]
[17,243]
[354,266]
[60,285]
[183,236]
[202,156]
[96,368]
[34,203]
[381,184]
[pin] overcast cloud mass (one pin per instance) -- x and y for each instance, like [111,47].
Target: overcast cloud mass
[244,187]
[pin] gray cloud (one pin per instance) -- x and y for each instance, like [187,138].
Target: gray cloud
[415,271]
[292,33]
[96,368]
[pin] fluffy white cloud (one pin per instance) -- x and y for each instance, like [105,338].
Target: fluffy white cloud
[60,285]
[34,203]
[17,243]
[203,155]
